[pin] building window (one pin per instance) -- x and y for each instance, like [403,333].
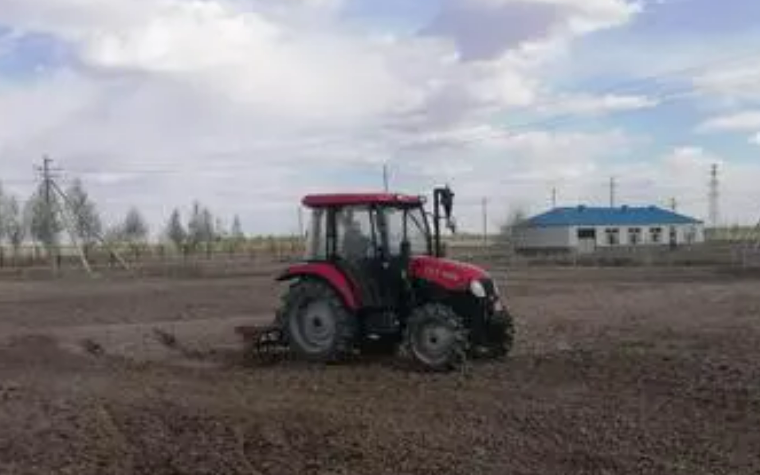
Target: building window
[613,236]
[655,235]
[634,236]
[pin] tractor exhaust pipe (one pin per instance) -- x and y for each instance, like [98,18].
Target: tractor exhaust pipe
[442,197]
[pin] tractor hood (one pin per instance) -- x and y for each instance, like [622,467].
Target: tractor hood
[447,273]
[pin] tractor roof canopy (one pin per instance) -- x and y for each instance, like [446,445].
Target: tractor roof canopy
[360,199]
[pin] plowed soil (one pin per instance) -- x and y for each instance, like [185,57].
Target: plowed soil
[615,371]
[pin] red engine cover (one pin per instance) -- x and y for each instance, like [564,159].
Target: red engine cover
[449,274]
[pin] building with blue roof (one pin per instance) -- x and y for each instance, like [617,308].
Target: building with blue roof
[586,228]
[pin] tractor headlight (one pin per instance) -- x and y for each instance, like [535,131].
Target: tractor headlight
[477,289]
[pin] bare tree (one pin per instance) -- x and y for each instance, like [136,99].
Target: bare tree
[516,217]
[237,229]
[200,227]
[3,215]
[237,235]
[135,228]
[44,223]
[220,232]
[87,223]
[15,230]
[175,230]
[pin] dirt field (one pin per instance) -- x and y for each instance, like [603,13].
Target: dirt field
[615,371]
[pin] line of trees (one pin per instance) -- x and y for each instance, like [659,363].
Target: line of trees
[43,220]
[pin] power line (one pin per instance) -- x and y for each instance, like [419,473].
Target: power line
[69,217]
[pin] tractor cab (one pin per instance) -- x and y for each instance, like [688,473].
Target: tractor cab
[370,239]
[374,270]
[356,227]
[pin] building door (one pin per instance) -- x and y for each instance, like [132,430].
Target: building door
[586,240]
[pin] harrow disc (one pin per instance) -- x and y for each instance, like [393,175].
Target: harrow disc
[264,344]
[270,345]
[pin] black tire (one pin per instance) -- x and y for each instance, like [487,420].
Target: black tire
[316,324]
[435,338]
[501,334]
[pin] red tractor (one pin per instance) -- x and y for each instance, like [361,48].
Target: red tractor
[374,276]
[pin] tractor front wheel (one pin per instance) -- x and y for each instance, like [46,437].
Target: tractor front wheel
[435,338]
[500,333]
[318,327]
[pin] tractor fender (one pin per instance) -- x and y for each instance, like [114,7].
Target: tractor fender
[327,273]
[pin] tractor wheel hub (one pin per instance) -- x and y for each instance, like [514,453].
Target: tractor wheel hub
[316,326]
[434,341]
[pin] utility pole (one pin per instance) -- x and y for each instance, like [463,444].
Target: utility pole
[47,180]
[49,213]
[484,205]
[673,205]
[385,177]
[67,212]
[612,192]
[554,197]
[66,203]
[713,196]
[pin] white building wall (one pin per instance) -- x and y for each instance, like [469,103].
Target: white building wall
[567,236]
[646,237]
[544,237]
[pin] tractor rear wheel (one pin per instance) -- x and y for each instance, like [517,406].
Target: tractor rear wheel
[435,338]
[317,325]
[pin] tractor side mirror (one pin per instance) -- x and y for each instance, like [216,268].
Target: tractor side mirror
[447,200]
[452,224]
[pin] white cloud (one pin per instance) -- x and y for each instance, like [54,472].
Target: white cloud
[585,104]
[483,161]
[236,52]
[478,26]
[733,84]
[755,139]
[740,121]
[246,104]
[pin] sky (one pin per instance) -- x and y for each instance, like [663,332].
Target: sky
[247,105]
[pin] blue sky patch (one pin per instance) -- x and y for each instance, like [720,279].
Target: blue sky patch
[28,54]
